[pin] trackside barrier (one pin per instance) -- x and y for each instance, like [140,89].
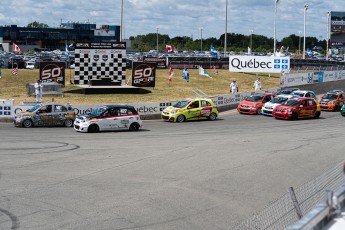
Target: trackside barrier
[49,88]
[281,213]
[323,213]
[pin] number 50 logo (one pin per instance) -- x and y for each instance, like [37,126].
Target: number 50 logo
[144,74]
[52,72]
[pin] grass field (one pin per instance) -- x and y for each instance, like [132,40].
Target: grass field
[14,87]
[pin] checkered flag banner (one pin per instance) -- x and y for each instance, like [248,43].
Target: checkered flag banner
[15,71]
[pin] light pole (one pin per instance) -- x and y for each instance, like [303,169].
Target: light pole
[121,20]
[201,39]
[251,40]
[305,11]
[157,41]
[328,33]
[274,28]
[299,42]
[226,27]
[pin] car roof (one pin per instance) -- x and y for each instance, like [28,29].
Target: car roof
[118,106]
[304,91]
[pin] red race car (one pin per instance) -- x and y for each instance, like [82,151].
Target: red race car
[253,104]
[304,107]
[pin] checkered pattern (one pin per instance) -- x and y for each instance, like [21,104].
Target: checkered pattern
[86,68]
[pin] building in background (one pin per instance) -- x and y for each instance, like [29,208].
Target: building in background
[38,39]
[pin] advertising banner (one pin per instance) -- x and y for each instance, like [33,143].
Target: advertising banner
[52,72]
[259,64]
[161,62]
[144,74]
[337,29]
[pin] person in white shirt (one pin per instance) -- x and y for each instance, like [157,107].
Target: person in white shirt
[257,84]
[233,87]
[38,90]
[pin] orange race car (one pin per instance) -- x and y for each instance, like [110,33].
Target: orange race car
[253,104]
[332,101]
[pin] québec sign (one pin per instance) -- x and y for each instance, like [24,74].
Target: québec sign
[262,64]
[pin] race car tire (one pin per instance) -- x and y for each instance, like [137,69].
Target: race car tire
[68,123]
[180,118]
[212,117]
[294,116]
[258,112]
[317,115]
[93,129]
[27,123]
[134,127]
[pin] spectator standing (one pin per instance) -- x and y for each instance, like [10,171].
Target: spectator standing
[38,91]
[171,74]
[257,84]
[215,70]
[233,87]
[185,74]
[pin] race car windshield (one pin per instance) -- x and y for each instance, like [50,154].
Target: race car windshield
[280,99]
[255,98]
[181,104]
[97,112]
[291,102]
[299,94]
[330,96]
[34,108]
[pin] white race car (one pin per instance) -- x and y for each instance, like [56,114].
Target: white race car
[268,107]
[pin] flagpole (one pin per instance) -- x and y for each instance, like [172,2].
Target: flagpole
[226,27]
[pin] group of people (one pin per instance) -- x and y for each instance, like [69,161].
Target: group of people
[234,86]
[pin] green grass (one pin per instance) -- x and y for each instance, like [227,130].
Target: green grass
[14,87]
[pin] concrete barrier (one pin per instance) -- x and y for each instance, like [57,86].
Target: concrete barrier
[50,88]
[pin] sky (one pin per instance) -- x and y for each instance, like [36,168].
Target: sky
[192,18]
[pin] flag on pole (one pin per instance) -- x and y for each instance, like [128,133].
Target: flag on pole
[169,48]
[67,50]
[16,49]
[15,70]
[203,72]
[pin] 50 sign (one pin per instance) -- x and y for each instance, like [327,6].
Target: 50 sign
[144,74]
[52,72]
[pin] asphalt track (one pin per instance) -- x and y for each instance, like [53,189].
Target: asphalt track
[193,175]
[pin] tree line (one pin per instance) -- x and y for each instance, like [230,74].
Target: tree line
[235,42]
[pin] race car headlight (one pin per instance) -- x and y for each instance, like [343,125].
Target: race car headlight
[173,112]
[254,105]
[331,102]
[289,110]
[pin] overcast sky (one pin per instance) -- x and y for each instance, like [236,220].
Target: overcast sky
[179,17]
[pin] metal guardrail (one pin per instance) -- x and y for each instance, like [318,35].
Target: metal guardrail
[50,88]
[281,213]
[319,216]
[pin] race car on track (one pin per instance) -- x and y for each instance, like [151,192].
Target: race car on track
[305,93]
[50,114]
[332,101]
[287,90]
[191,109]
[108,118]
[268,107]
[253,104]
[342,111]
[296,108]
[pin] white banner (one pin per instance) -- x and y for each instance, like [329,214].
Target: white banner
[287,80]
[259,64]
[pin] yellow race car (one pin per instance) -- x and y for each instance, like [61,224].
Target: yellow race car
[191,109]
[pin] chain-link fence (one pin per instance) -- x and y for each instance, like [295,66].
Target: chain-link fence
[281,213]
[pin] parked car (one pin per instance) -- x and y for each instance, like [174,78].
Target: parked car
[191,109]
[253,104]
[50,114]
[108,118]
[332,101]
[29,65]
[268,107]
[305,93]
[296,108]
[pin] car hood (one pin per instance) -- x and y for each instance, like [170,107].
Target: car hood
[88,116]
[284,107]
[171,108]
[24,114]
[271,104]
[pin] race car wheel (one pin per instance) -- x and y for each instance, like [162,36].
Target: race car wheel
[27,123]
[258,112]
[212,117]
[68,123]
[317,115]
[294,116]
[93,129]
[180,118]
[134,127]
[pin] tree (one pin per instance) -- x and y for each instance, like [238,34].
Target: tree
[36,24]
